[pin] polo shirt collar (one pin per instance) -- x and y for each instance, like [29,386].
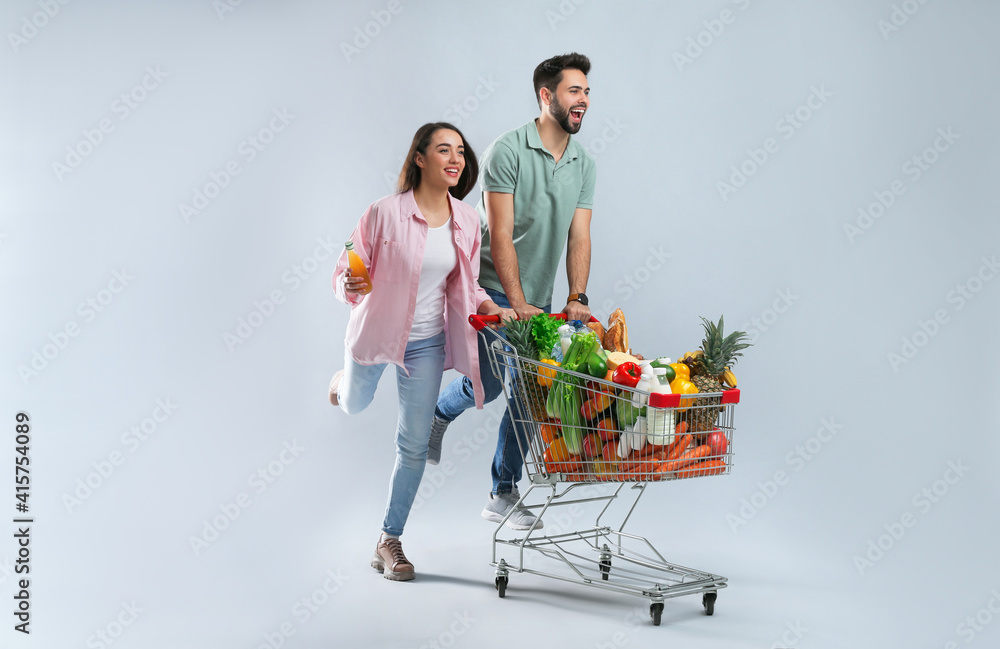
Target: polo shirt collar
[535,142]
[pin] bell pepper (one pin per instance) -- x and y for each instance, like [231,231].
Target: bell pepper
[681,371]
[594,406]
[683,386]
[627,374]
[545,374]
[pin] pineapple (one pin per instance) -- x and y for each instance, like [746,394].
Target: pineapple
[519,337]
[719,352]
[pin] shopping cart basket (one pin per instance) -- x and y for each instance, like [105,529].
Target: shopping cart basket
[623,437]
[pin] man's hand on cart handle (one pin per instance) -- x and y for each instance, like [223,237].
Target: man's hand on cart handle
[577,311]
[525,311]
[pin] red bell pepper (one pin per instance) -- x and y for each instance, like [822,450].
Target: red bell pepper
[627,374]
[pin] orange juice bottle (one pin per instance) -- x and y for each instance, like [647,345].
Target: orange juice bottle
[358,267]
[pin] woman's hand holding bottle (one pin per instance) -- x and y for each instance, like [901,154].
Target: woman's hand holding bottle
[352,284]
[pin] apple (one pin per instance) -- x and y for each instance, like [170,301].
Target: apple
[718,443]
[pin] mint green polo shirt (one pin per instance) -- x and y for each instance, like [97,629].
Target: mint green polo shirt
[546,194]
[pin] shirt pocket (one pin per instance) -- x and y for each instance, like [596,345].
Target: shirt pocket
[392,262]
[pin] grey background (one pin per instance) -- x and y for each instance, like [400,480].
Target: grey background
[668,247]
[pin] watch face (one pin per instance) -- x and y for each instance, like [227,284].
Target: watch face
[581,298]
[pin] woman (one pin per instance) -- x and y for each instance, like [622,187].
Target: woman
[421,247]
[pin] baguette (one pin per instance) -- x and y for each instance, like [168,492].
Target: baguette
[618,331]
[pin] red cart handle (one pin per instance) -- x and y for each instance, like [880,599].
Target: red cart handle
[480,321]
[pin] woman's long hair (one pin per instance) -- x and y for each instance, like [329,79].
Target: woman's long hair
[409,177]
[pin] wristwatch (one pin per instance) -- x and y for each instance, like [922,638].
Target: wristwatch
[579,297]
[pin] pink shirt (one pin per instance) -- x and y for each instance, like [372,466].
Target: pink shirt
[390,238]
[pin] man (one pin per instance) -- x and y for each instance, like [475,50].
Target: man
[538,192]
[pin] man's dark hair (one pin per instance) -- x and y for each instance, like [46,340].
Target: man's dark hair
[549,73]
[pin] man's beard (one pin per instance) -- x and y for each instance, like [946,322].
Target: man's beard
[561,115]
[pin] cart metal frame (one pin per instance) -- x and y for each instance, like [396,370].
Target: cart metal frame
[601,555]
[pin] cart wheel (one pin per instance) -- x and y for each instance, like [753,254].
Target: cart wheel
[501,585]
[655,610]
[605,568]
[708,601]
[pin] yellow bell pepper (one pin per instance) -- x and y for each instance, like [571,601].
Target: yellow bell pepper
[545,374]
[683,386]
[681,371]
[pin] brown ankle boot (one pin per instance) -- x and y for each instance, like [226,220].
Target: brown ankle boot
[389,558]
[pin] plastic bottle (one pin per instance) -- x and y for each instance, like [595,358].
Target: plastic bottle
[646,379]
[358,267]
[659,421]
[565,336]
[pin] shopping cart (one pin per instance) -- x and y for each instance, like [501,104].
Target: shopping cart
[601,451]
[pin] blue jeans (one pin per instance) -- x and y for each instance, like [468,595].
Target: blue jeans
[424,360]
[458,397]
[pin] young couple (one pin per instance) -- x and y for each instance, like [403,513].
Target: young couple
[433,260]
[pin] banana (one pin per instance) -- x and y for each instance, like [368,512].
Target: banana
[729,378]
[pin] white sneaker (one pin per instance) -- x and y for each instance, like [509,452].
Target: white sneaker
[500,504]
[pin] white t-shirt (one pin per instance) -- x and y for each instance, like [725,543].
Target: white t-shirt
[439,260]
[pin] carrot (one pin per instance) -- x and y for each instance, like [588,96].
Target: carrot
[645,451]
[644,467]
[687,458]
[679,446]
[708,467]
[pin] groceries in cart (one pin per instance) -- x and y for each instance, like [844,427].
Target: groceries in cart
[596,411]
